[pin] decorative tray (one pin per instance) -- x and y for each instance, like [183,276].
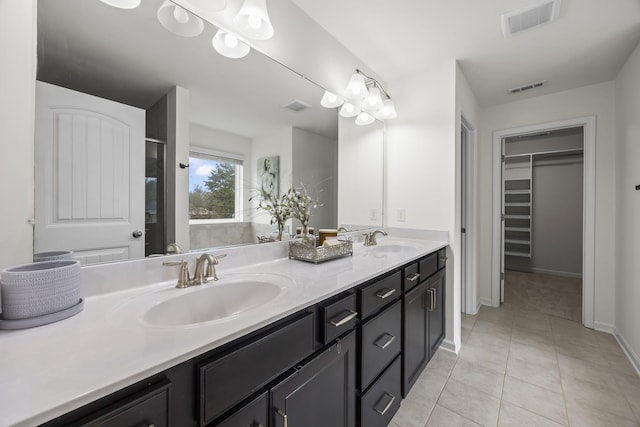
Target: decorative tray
[305,249]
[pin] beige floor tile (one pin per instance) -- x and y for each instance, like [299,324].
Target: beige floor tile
[413,413]
[535,399]
[538,339]
[597,396]
[487,339]
[468,320]
[487,357]
[532,353]
[541,372]
[429,385]
[515,416]
[470,403]
[582,352]
[492,328]
[486,380]
[630,388]
[620,364]
[442,417]
[583,370]
[581,414]
[443,361]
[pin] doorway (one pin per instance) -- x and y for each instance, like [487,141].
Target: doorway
[587,224]
[467,211]
[542,237]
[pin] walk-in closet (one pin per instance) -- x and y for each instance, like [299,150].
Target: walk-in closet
[542,218]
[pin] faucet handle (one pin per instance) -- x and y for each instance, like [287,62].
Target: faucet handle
[183,278]
[211,267]
[367,239]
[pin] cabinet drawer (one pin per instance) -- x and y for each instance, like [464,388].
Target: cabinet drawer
[381,342]
[148,407]
[380,293]
[253,414]
[411,276]
[381,402]
[442,258]
[226,381]
[428,265]
[338,317]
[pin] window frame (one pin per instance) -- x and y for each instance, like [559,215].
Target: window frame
[220,157]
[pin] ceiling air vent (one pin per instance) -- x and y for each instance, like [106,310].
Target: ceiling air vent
[528,17]
[526,87]
[297,105]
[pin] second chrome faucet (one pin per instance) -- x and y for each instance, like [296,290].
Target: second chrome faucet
[205,270]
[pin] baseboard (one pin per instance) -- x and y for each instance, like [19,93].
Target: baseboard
[485,301]
[449,346]
[631,355]
[603,327]
[545,271]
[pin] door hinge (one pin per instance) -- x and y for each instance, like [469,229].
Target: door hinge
[503,158]
[463,230]
[501,217]
[502,275]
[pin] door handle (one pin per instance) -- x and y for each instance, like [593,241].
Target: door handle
[430,294]
[350,314]
[385,293]
[385,406]
[413,278]
[283,415]
[387,342]
[137,234]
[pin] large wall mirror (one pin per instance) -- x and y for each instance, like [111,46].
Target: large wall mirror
[198,108]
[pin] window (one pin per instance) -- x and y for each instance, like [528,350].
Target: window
[215,194]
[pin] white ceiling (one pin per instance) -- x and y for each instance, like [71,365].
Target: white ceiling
[588,43]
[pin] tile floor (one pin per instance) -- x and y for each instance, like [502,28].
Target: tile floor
[522,367]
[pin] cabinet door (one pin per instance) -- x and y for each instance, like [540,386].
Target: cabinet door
[321,393]
[436,304]
[415,353]
[253,414]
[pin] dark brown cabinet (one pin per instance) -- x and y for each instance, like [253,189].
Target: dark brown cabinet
[321,392]
[255,413]
[423,325]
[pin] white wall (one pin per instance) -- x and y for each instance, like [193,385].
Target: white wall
[17,103]
[360,150]
[595,100]
[627,318]
[315,164]
[279,143]
[420,175]
[467,108]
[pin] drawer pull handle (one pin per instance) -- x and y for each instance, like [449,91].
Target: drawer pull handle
[391,398]
[385,293]
[283,415]
[413,278]
[350,314]
[387,342]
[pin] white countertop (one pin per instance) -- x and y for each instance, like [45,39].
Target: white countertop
[50,370]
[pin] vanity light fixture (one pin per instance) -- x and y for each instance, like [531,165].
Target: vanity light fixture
[122,4]
[253,20]
[365,98]
[364,119]
[179,21]
[331,100]
[227,44]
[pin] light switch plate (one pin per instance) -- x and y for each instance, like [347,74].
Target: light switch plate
[373,214]
[402,215]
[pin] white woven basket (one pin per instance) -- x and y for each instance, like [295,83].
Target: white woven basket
[52,256]
[41,288]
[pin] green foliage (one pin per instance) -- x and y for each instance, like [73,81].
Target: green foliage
[218,200]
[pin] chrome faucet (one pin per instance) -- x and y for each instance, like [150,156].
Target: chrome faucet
[200,276]
[204,272]
[370,238]
[343,230]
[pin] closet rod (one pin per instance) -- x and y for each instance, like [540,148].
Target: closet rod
[550,152]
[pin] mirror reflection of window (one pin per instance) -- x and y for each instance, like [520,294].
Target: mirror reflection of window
[215,192]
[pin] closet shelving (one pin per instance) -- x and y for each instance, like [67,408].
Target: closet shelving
[517,205]
[518,199]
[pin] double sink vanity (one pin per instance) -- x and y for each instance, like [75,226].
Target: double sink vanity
[273,342]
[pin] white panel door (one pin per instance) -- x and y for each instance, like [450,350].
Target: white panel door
[89,158]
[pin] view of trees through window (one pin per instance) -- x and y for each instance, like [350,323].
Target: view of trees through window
[213,188]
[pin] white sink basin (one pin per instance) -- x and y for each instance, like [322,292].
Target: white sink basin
[203,304]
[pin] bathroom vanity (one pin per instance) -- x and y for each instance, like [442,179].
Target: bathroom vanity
[340,345]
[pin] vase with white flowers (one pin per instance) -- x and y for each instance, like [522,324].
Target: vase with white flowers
[301,204]
[278,207]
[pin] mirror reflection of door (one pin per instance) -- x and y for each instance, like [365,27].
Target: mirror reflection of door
[89,176]
[154,188]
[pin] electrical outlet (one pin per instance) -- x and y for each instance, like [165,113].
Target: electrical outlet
[373,214]
[402,215]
